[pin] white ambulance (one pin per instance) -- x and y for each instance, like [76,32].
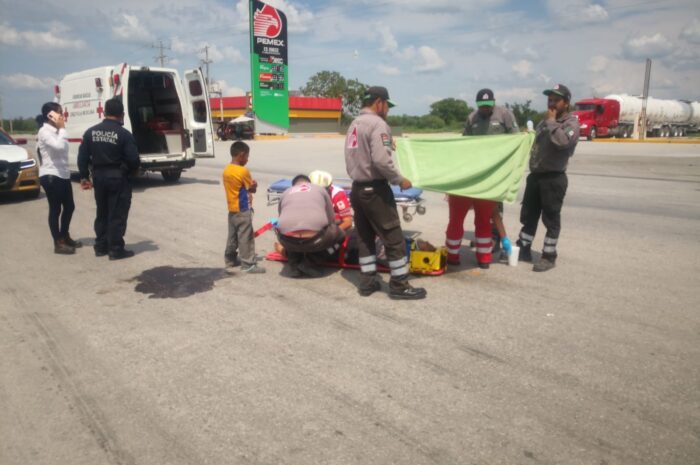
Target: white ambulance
[171,122]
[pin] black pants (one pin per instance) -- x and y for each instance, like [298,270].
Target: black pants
[113,199]
[315,249]
[59,193]
[544,195]
[375,215]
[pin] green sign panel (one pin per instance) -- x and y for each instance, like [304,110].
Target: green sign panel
[268,64]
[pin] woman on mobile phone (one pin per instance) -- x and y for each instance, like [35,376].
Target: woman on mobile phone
[54,176]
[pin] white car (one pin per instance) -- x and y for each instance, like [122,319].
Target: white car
[18,169]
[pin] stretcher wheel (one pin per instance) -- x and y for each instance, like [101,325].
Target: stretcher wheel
[407,217]
[420,209]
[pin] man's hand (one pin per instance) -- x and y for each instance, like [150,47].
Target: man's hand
[551,114]
[253,186]
[405,184]
[85,184]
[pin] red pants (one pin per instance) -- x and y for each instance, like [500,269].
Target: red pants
[459,206]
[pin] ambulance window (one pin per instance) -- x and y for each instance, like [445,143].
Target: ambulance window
[195,88]
[199,110]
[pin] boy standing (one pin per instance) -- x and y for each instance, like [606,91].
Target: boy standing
[239,186]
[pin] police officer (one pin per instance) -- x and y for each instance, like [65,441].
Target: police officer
[555,142]
[368,149]
[110,152]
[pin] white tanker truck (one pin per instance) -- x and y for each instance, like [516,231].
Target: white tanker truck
[615,115]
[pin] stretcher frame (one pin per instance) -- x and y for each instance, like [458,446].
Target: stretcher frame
[409,200]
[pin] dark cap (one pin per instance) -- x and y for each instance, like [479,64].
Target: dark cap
[561,90]
[375,92]
[485,98]
[114,107]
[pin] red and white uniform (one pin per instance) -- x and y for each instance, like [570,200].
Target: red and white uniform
[341,203]
[459,206]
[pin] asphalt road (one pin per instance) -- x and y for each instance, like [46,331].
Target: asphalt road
[164,359]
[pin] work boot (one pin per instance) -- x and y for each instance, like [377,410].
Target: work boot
[62,248]
[369,290]
[306,268]
[402,290]
[100,252]
[546,263]
[525,254]
[484,266]
[120,254]
[72,243]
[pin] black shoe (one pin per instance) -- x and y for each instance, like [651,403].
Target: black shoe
[61,247]
[72,243]
[545,264]
[123,253]
[525,254]
[407,293]
[484,266]
[100,253]
[308,270]
[367,291]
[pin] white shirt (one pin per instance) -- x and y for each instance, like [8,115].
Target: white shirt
[53,145]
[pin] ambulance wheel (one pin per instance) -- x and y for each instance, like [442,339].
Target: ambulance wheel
[407,217]
[420,209]
[171,176]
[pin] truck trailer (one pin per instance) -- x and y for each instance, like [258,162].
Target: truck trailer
[171,122]
[615,115]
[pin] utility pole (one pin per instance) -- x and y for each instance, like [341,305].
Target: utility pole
[645,97]
[206,61]
[161,56]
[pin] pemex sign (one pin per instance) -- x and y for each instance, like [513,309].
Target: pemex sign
[268,67]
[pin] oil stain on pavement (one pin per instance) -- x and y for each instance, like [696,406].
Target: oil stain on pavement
[167,282]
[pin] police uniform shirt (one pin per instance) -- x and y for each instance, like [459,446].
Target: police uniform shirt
[501,121]
[555,143]
[108,146]
[368,149]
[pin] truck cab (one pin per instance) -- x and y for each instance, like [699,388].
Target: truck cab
[597,117]
[171,122]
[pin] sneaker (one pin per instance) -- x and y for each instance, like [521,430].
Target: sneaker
[62,248]
[123,253]
[367,291]
[484,266]
[72,243]
[545,264]
[230,263]
[253,269]
[228,269]
[407,292]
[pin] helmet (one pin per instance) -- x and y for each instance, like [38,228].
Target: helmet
[321,178]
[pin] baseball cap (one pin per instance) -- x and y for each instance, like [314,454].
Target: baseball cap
[378,91]
[561,90]
[485,98]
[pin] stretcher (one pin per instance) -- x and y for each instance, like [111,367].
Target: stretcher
[409,200]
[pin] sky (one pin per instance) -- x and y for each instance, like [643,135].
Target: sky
[421,50]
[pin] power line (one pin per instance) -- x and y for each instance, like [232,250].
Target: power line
[161,56]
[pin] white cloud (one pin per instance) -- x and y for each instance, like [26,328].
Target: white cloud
[598,63]
[228,90]
[522,68]
[389,70]
[130,29]
[52,39]
[691,32]
[428,60]
[517,94]
[653,46]
[26,81]
[576,12]
[299,19]
[388,41]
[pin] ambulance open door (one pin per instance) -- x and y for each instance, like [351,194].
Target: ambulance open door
[199,115]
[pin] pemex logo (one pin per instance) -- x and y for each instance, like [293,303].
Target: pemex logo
[267,22]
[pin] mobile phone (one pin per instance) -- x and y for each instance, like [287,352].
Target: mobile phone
[53,116]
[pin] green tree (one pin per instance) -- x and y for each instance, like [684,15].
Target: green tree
[333,84]
[523,113]
[451,110]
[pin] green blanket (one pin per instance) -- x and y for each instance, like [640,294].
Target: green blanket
[483,167]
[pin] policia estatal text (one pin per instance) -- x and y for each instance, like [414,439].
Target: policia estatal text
[368,149]
[110,152]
